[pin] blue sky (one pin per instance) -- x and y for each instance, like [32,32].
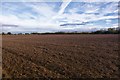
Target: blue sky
[49,16]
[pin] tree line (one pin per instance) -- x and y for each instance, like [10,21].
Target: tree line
[102,31]
[108,31]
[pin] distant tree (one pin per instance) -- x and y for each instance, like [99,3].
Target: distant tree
[97,32]
[34,33]
[84,32]
[3,33]
[117,30]
[111,30]
[26,33]
[108,31]
[9,33]
[60,32]
[19,33]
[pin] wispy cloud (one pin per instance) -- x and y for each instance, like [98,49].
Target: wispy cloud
[63,6]
[65,3]
[41,16]
[60,0]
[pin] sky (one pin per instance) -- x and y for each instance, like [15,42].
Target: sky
[64,15]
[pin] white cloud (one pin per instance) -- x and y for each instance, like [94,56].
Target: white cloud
[73,10]
[43,9]
[85,17]
[63,6]
[60,0]
[111,8]
[65,3]
[115,25]
[89,8]
[108,21]
[45,14]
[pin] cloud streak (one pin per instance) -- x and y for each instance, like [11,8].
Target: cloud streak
[63,6]
[44,16]
[60,0]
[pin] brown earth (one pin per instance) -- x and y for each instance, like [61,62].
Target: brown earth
[60,56]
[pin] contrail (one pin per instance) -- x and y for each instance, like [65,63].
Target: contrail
[62,8]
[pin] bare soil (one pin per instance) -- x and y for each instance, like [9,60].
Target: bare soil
[60,56]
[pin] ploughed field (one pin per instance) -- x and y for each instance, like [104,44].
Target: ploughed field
[60,56]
